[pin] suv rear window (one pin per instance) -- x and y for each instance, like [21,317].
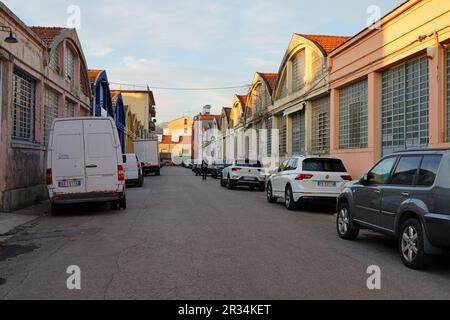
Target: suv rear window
[428,170]
[323,165]
[248,164]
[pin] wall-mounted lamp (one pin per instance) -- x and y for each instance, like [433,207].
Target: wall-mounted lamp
[10,38]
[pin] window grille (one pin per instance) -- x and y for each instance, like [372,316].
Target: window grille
[353,116]
[404,117]
[298,133]
[50,113]
[282,135]
[269,126]
[69,63]
[321,126]
[317,65]
[23,106]
[54,60]
[298,71]
[70,109]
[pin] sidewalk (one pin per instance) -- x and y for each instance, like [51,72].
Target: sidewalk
[11,222]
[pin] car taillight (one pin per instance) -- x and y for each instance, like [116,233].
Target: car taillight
[304,176]
[236,169]
[347,178]
[49,177]
[121,173]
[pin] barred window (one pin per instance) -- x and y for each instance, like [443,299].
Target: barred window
[69,64]
[283,88]
[282,135]
[321,126]
[54,60]
[317,65]
[448,94]
[269,126]
[24,88]
[70,109]
[404,116]
[353,116]
[258,139]
[50,112]
[298,71]
[298,133]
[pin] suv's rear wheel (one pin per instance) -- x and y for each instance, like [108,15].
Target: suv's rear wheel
[270,197]
[411,245]
[229,184]
[289,199]
[345,227]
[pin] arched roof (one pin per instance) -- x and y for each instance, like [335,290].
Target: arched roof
[321,44]
[53,36]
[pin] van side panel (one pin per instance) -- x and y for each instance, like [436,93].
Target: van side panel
[67,159]
[100,156]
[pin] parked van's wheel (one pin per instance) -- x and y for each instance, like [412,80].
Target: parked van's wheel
[141,183]
[115,205]
[262,187]
[123,203]
[56,209]
[270,197]
[345,227]
[411,245]
[291,205]
[223,183]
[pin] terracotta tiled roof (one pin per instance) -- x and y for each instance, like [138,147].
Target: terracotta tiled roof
[47,34]
[93,74]
[328,43]
[271,79]
[243,100]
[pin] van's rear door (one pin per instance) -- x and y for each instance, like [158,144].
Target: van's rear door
[100,156]
[67,158]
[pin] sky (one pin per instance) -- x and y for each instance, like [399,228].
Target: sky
[194,43]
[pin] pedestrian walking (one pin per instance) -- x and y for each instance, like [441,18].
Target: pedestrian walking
[204,170]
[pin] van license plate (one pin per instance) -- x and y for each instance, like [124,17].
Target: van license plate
[69,184]
[326,184]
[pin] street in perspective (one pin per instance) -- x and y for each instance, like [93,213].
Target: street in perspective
[133,171]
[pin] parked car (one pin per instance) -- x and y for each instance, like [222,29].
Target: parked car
[244,173]
[306,178]
[406,195]
[216,169]
[84,163]
[133,170]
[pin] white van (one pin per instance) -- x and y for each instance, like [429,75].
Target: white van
[84,163]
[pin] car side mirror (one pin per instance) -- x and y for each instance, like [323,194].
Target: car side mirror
[365,179]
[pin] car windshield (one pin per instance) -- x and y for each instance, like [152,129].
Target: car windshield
[323,165]
[248,164]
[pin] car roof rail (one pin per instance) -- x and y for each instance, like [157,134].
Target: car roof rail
[423,150]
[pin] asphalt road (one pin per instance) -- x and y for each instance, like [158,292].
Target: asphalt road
[182,238]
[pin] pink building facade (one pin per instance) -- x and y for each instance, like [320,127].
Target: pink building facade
[390,86]
[43,76]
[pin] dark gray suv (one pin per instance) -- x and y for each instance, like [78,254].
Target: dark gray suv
[406,195]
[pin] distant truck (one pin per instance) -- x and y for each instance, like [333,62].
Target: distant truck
[147,152]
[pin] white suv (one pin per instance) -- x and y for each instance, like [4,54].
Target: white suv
[307,178]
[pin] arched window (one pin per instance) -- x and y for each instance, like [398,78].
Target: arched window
[298,71]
